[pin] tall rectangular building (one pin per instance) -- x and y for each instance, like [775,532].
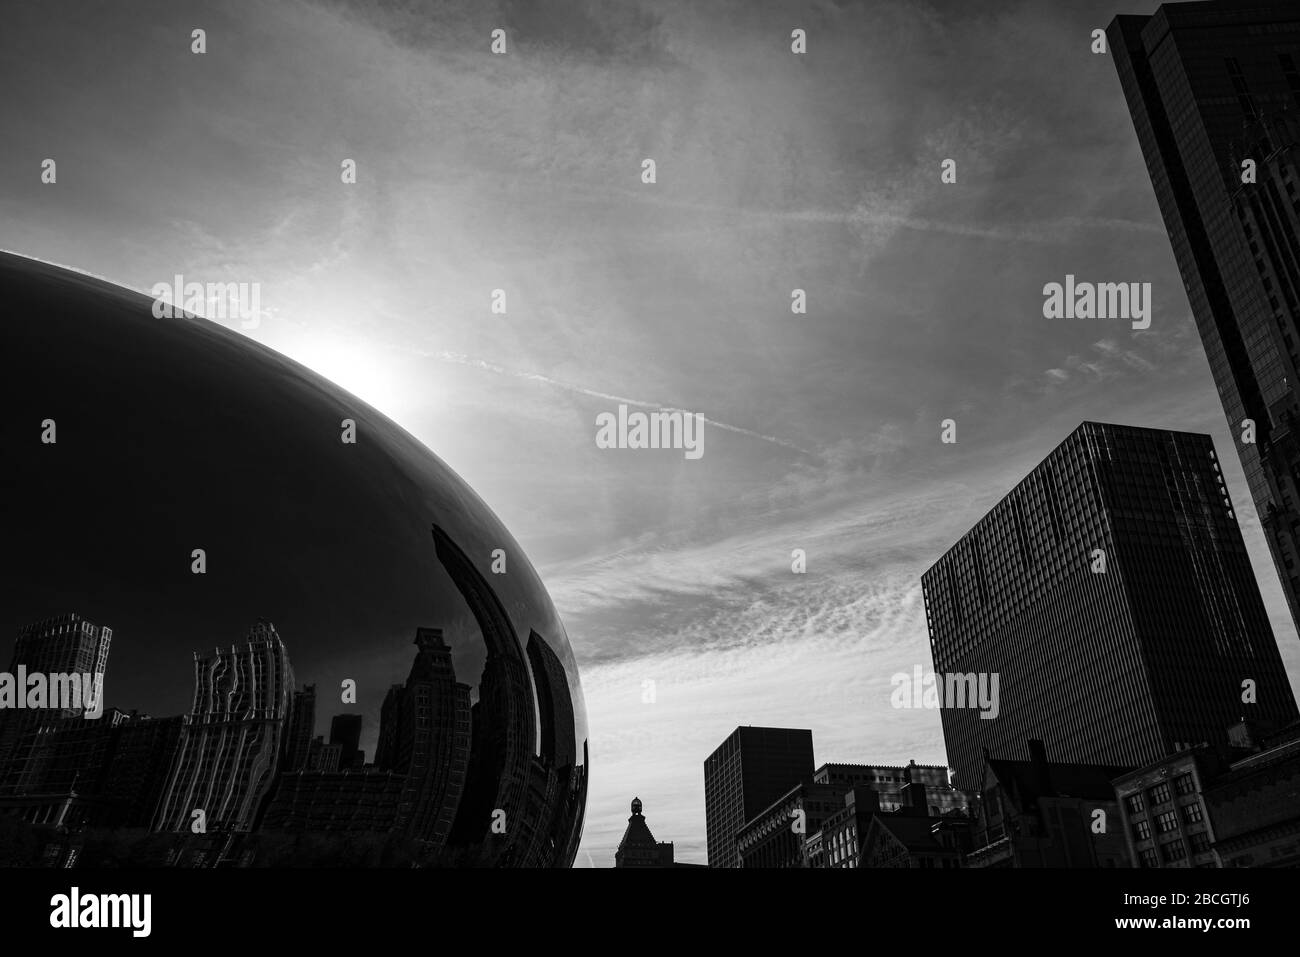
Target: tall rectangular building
[1111,594]
[64,644]
[61,645]
[345,731]
[299,730]
[1214,89]
[424,735]
[747,772]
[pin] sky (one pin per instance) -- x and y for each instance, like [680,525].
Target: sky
[775,171]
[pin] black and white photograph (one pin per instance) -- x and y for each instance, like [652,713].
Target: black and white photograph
[450,437]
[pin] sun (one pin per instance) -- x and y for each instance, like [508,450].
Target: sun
[369,375]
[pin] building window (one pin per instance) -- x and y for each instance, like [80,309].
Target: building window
[1141,831]
[1166,822]
[1192,812]
[1200,842]
[1174,851]
[1160,794]
[1183,784]
[1148,857]
[1134,803]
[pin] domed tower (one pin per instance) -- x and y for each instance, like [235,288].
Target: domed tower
[639,847]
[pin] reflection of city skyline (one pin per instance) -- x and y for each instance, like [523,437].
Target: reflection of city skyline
[452,781]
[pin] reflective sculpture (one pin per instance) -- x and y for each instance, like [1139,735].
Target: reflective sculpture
[300,638]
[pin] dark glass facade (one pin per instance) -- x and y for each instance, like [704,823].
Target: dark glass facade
[747,772]
[1209,86]
[1114,667]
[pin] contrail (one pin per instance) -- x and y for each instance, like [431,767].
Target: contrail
[1043,232]
[473,363]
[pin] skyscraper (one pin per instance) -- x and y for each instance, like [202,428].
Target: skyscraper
[552,771]
[231,741]
[745,774]
[61,645]
[1213,89]
[1111,595]
[64,644]
[503,730]
[424,734]
[299,730]
[554,702]
[345,731]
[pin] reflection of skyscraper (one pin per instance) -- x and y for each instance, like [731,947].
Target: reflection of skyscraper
[62,645]
[345,731]
[322,756]
[1111,594]
[300,729]
[551,774]
[65,644]
[554,702]
[424,734]
[745,774]
[105,772]
[231,741]
[504,734]
[138,772]
[574,811]
[359,800]
[1207,85]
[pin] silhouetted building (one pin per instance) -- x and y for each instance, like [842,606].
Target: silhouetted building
[1038,813]
[751,769]
[638,848]
[345,731]
[230,744]
[1210,86]
[1111,596]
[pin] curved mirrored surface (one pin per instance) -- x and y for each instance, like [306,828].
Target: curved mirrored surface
[271,626]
